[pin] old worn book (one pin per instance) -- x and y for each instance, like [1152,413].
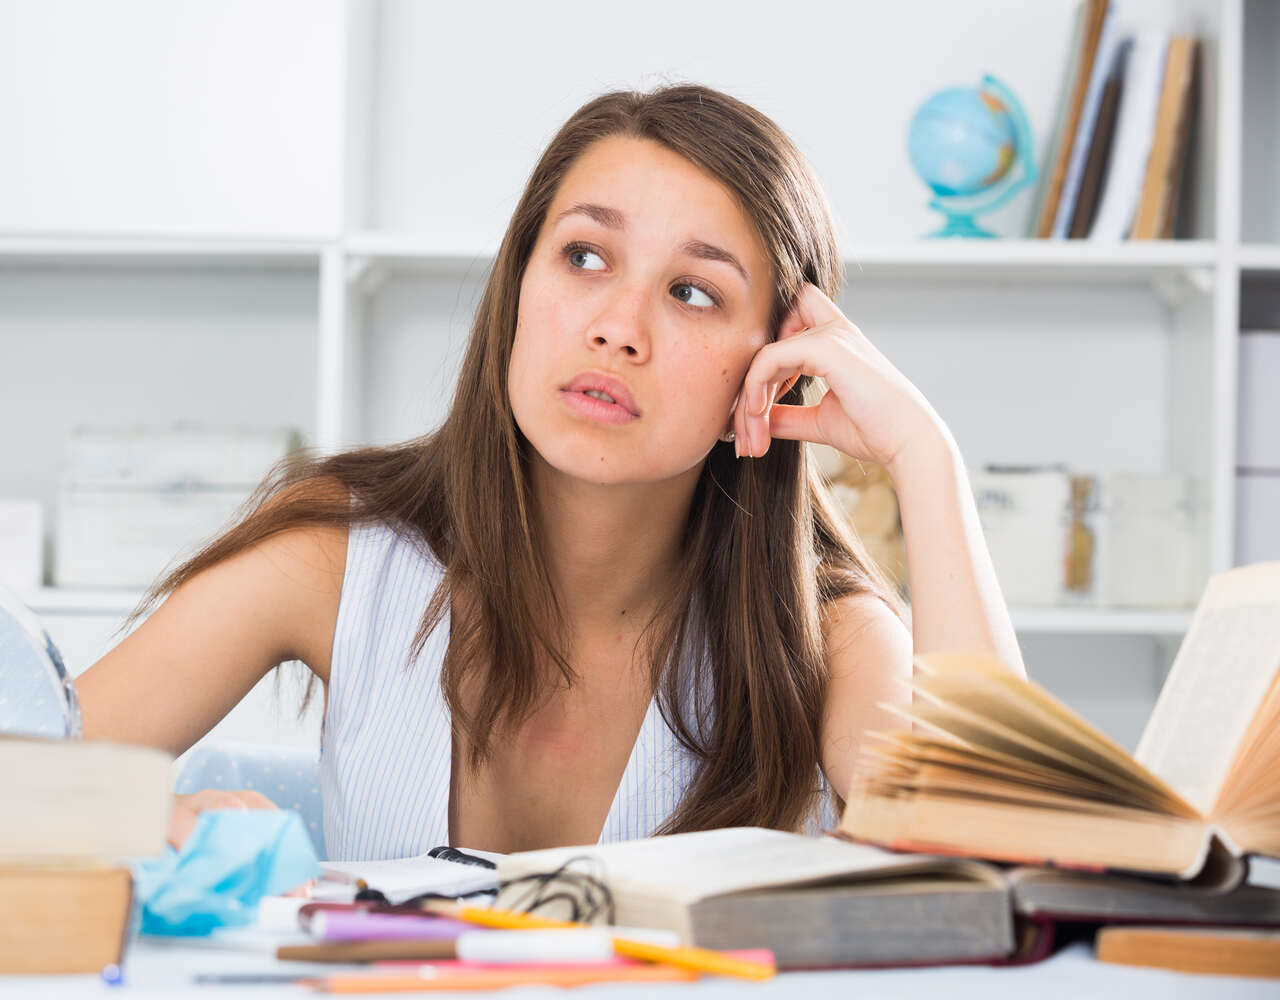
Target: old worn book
[825,902]
[1215,951]
[63,918]
[814,901]
[75,814]
[993,766]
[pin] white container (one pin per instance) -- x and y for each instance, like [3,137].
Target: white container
[21,545]
[1154,545]
[177,455]
[136,500]
[1257,518]
[125,538]
[1258,444]
[1025,518]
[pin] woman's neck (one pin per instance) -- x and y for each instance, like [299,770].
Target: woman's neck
[612,551]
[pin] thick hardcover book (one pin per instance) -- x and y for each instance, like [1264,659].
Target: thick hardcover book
[85,809]
[63,918]
[820,902]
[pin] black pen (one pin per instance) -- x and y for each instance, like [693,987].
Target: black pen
[445,853]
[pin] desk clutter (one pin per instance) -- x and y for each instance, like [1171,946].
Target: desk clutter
[995,826]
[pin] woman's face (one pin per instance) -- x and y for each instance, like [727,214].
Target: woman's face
[632,291]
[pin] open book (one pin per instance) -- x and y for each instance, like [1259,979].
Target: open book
[821,901]
[995,767]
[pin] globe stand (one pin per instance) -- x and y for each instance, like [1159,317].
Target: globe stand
[959,224]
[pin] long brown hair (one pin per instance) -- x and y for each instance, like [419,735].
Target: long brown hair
[748,595]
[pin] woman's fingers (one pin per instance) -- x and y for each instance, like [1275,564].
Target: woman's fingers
[795,423]
[814,308]
[186,808]
[775,368]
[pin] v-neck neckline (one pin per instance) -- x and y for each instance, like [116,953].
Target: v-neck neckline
[611,819]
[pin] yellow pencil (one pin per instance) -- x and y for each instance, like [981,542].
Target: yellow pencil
[697,959]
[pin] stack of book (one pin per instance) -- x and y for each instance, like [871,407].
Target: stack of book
[999,816]
[75,814]
[1118,161]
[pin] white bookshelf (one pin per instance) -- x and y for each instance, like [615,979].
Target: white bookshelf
[339,301]
[1045,621]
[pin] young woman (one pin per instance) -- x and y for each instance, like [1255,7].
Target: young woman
[610,596]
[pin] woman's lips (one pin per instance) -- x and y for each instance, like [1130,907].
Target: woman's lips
[597,409]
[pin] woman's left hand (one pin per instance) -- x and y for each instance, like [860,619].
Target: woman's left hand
[870,410]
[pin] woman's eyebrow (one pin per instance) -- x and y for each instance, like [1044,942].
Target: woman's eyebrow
[611,218]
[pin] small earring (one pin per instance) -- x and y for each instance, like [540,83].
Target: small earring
[727,436]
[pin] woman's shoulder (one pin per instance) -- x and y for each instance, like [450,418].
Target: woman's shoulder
[862,617]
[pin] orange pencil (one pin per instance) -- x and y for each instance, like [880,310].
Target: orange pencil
[500,979]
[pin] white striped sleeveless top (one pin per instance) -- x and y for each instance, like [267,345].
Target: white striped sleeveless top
[386,753]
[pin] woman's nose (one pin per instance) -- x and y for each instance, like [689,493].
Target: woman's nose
[622,327]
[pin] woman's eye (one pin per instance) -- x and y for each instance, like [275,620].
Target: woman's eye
[692,291]
[684,291]
[575,252]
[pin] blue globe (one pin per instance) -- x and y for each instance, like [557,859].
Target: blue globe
[962,141]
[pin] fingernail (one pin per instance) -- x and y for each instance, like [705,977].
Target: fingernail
[737,448]
[734,405]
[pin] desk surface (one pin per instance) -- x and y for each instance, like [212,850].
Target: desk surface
[165,969]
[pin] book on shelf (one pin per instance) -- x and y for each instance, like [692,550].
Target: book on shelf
[1091,17]
[78,812]
[1101,59]
[821,902]
[1099,155]
[1157,212]
[1117,165]
[1134,136]
[993,766]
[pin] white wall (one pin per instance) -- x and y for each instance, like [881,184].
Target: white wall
[212,116]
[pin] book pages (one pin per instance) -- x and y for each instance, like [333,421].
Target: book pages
[690,866]
[1217,683]
[65,800]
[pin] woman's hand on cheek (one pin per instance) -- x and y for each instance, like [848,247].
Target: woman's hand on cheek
[870,410]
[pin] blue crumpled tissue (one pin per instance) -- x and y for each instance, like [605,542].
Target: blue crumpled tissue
[230,861]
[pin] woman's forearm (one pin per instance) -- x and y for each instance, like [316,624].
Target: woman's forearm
[955,598]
